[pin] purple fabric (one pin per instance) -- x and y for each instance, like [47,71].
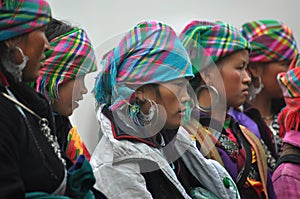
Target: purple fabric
[244,120]
[292,137]
[230,166]
[286,178]
[286,181]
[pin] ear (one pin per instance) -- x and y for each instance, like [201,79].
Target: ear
[140,94]
[8,43]
[205,75]
[255,69]
[13,41]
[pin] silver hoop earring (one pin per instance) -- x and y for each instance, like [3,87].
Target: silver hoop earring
[145,119]
[15,69]
[215,101]
[128,118]
[253,91]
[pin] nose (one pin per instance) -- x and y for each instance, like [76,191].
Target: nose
[185,97]
[47,44]
[246,77]
[84,90]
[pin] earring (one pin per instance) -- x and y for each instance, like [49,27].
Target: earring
[145,119]
[215,100]
[11,67]
[253,91]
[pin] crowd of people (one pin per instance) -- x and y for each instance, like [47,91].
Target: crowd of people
[212,112]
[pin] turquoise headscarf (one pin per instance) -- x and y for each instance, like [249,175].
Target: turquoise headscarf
[149,53]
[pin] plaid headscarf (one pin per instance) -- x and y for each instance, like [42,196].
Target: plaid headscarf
[270,41]
[289,82]
[149,53]
[21,17]
[207,42]
[70,55]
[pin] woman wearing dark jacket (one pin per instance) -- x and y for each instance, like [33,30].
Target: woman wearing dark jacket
[30,155]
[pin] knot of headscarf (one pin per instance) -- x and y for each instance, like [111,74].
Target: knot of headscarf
[270,41]
[290,85]
[207,42]
[70,55]
[149,53]
[21,17]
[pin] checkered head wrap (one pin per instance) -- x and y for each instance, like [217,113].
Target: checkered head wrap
[290,84]
[149,53]
[270,41]
[71,55]
[207,42]
[22,16]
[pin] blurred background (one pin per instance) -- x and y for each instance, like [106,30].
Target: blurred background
[105,21]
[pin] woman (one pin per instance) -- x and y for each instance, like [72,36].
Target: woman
[31,157]
[220,57]
[61,80]
[286,177]
[142,97]
[273,47]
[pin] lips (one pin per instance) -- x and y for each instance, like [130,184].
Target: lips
[246,91]
[182,111]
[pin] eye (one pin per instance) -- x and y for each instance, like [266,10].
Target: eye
[285,64]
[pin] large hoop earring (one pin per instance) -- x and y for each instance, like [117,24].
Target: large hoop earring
[253,91]
[128,119]
[11,67]
[215,101]
[145,119]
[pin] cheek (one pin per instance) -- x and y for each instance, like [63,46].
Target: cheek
[170,102]
[231,82]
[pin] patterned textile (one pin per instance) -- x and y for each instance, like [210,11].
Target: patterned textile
[289,117]
[286,177]
[207,42]
[149,53]
[270,41]
[71,55]
[76,146]
[290,81]
[23,16]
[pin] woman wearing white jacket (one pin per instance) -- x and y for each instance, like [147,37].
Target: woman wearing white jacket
[143,97]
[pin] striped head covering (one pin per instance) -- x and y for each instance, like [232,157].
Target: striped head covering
[206,41]
[22,16]
[70,55]
[289,82]
[149,53]
[270,41]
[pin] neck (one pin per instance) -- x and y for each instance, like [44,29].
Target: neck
[263,105]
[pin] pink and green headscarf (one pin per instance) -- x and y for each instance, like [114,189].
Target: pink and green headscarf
[149,53]
[70,55]
[18,17]
[207,42]
[289,82]
[270,40]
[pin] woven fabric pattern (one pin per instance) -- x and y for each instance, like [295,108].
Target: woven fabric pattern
[21,17]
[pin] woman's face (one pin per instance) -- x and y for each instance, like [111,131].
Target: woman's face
[235,78]
[34,44]
[70,93]
[172,96]
[269,78]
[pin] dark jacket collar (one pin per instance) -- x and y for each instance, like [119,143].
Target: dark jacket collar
[119,134]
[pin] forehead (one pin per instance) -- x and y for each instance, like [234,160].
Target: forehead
[241,56]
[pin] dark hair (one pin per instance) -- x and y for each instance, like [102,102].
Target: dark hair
[277,105]
[3,49]
[57,28]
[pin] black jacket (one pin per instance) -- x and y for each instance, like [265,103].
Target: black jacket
[28,162]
